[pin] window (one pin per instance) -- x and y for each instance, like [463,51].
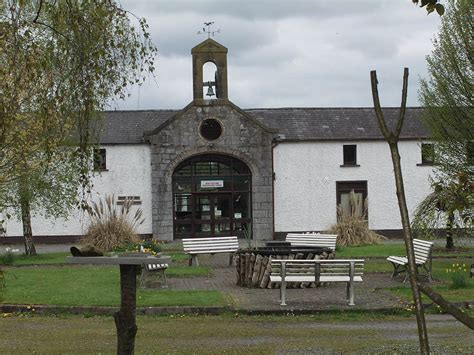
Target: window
[427,153]
[349,155]
[343,194]
[99,159]
[210,129]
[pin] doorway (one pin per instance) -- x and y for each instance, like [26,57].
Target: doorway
[211,197]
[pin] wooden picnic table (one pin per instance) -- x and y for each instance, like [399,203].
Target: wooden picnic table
[125,318]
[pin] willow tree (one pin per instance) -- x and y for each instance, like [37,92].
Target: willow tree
[61,63]
[447,97]
[431,6]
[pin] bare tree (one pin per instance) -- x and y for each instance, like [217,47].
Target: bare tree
[392,138]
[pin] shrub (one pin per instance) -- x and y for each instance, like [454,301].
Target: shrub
[8,258]
[458,274]
[2,285]
[112,226]
[352,228]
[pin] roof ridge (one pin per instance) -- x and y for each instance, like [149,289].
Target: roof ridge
[326,108]
[147,110]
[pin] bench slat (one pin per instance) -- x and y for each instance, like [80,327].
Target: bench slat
[312,239]
[422,250]
[215,251]
[215,245]
[316,270]
[311,278]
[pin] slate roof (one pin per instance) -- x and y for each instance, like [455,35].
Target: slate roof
[293,124]
[301,124]
[127,127]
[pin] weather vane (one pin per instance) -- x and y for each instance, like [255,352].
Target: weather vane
[208,30]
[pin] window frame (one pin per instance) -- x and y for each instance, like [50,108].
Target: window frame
[346,153]
[360,186]
[424,160]
[100,159]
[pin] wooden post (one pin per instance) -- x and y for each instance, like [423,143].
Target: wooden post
[125,319]
[256,270]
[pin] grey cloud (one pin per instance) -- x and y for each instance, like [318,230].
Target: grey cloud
[260,9]
[290,53]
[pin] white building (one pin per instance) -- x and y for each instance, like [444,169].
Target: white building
[212,168]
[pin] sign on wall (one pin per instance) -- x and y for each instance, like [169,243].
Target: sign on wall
[212,183]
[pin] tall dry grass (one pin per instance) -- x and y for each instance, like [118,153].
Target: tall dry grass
[352,227]
[112,226]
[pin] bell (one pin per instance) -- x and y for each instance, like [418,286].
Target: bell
[210,92]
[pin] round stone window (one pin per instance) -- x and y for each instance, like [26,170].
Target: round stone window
[210,129]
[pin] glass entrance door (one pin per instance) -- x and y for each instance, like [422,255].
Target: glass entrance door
[212,197]
[213,214]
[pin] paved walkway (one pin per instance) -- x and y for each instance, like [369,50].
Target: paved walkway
[368,294]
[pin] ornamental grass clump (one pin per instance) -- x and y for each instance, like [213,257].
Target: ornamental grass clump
[8,258]
[112,226]
[458,275]
[352,227]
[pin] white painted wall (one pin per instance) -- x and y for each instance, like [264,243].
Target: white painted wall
[305,185]
[129,174]
[306,175]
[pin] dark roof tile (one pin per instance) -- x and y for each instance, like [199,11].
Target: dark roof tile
[299,124]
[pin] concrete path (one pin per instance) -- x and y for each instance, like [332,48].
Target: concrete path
[368,294]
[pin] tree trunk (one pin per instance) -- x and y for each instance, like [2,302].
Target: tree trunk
[26,220]
[412,269]
[125,319]
[392,138]
[449,232]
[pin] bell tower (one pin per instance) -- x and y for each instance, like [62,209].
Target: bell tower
[209,51]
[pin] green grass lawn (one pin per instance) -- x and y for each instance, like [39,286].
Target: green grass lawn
[459,295]
[232,334]
[41,259]
[385,250]
[178,268]
[38,279]
[91,285]
[439,273]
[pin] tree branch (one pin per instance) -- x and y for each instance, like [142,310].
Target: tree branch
[403,104]
[447,306]
[38,12]
[35,20]
[378,110]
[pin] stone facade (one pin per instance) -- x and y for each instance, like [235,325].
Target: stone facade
[243,137]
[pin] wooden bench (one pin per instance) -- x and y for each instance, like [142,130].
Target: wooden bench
[312,239]
[149,268]
[348,271]
[212,246]
[423,251]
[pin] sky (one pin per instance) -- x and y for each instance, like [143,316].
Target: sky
[288,53]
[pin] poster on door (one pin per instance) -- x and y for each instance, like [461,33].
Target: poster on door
[211,184]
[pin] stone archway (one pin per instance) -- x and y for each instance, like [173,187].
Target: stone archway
[211,197]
